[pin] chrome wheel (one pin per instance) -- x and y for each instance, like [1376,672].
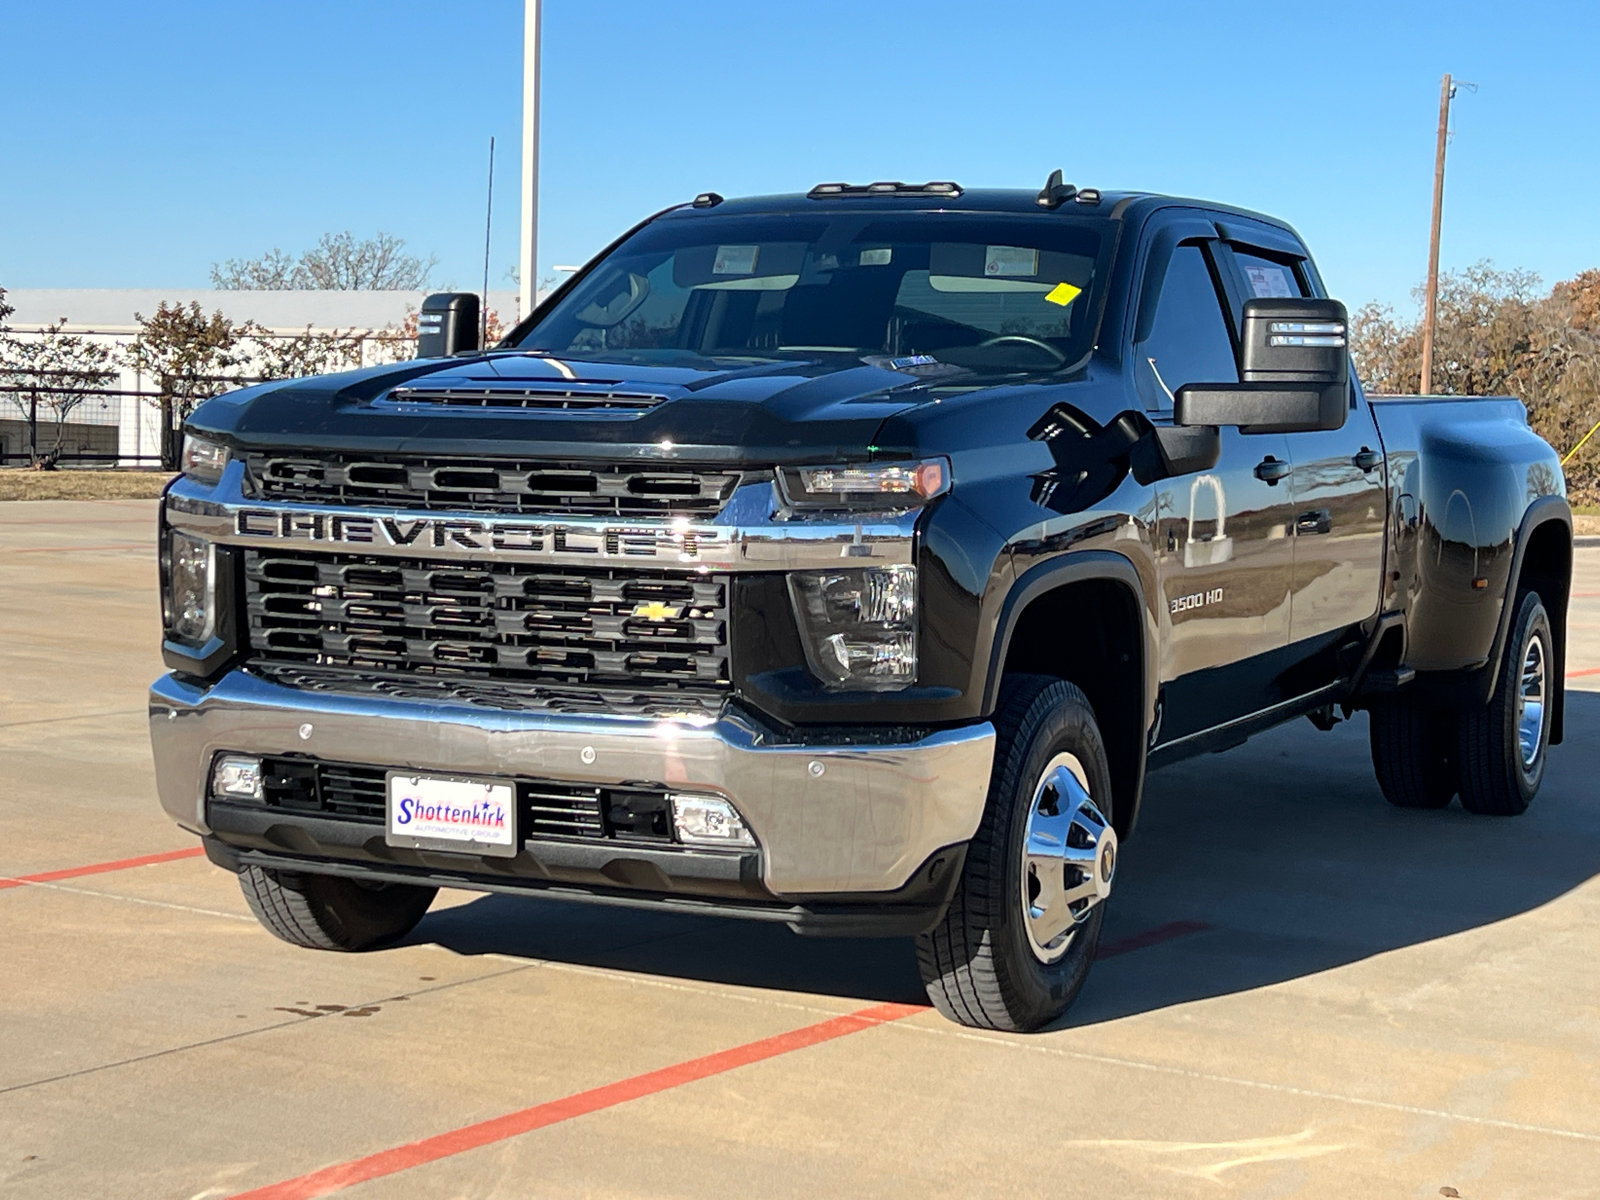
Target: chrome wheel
[1530,702]
[1069,856]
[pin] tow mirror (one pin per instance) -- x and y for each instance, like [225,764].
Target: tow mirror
[1295,372]
[447,324]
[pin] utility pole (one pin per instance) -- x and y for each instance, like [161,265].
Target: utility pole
[488,231]
[528,266]
[1430,313]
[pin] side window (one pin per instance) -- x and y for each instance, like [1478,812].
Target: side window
[1189,340]
[1263,277]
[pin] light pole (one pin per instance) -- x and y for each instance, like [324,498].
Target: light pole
[528,267]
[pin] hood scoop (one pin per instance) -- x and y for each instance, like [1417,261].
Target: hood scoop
[541,397]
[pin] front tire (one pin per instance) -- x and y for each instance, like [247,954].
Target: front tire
[1503,745]
[1015,946]
[329,912]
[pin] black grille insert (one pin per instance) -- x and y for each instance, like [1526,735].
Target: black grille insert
[491,485]
[498,623]
[546,809]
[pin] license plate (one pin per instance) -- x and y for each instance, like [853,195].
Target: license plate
[442,812]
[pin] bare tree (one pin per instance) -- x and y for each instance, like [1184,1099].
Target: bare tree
[51,374]
[274,271]
[338,262]
[191,357]
[5,310]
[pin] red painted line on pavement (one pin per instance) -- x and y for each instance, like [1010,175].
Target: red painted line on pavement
[122,864]
[1585,671]
[498,1129]
[1150,937]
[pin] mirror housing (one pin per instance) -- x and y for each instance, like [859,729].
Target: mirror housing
[447,324]
[1295,372]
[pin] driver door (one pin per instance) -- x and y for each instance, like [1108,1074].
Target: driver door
[1223,542]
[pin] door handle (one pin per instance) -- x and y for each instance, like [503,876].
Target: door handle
[1272,469]
[1368,460]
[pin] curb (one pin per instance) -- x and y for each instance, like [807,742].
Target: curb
[1588,539]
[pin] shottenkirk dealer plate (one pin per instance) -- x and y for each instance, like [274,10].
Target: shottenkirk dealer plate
[443,812]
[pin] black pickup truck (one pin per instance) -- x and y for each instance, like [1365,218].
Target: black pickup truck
[843,560]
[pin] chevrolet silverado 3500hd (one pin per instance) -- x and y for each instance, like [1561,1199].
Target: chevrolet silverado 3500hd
[843,560]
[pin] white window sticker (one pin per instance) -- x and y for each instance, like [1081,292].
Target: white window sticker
[1270,281]
[880,257]
[735,260]
[1011,260]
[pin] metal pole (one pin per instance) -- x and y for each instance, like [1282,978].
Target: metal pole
[528,266]
[488,229]
[1431,306]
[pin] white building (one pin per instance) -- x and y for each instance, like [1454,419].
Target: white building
[112,315]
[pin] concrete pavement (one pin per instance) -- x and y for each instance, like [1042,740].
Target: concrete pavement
[1314,994]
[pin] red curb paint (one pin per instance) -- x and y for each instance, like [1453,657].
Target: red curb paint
[1585,671]
[498,1129]
[122,864]
[1150,937]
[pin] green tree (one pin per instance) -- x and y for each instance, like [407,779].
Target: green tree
[190,357]
[1497,335]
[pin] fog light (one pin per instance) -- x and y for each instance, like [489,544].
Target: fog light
[709,821]
[191,611]
[239,778]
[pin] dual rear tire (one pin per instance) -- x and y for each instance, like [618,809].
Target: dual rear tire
[1492,756]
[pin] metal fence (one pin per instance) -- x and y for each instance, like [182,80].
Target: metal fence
[135,425]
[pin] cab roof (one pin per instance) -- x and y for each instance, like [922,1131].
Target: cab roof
[1111,205]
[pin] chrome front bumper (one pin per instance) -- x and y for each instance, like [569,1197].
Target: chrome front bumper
[829,818]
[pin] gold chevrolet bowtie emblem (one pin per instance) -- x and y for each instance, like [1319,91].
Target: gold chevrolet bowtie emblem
[656,610]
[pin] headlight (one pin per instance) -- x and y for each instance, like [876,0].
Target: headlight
[867,486]
[203,459]
[859,626]
[191,589]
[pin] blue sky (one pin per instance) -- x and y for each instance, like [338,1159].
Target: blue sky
[140,143]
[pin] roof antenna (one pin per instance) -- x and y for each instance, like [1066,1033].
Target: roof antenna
[1055,192]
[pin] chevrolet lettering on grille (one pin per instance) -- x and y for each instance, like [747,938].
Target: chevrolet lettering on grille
[511,538]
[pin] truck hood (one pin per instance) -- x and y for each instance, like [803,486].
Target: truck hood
[745,415]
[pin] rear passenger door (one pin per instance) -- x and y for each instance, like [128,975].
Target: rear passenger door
[1340,501]
[1221,539]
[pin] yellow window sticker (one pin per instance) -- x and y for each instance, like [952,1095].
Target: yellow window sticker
[1063,294]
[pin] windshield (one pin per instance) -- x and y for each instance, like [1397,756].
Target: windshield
[985,293]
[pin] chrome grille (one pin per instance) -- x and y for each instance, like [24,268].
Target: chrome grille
[490,485]
[700,704]
[501,624]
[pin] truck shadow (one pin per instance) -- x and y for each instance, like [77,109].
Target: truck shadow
[1277,860]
